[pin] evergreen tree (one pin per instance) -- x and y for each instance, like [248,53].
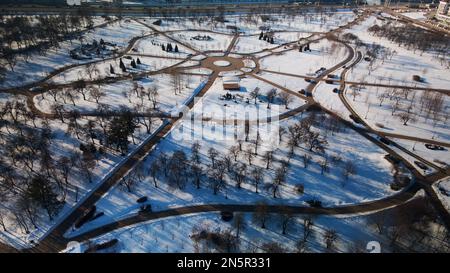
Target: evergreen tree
[163,47]
[176,48]
[111,69]
[133,63]
[40,192]
[138,61]
[261,35]
[119,129]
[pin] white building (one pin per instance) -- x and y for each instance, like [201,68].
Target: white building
[443,8]
[232,83]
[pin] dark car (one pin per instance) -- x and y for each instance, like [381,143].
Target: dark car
[355,119]
[434,147]
[385,140]
[143,199]
[421,165]
[145,208]
[226,215]
[336,90]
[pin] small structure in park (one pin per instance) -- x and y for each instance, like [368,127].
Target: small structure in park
[96,49]
[231,83]
[202,38]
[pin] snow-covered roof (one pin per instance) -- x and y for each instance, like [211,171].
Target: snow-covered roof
[230,79]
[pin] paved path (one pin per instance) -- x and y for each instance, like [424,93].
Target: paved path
[55,241]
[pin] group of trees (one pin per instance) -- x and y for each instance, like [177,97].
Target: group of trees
[411,227]
[271,96]
[231,239]
[170,48]
[32,176]
[415,38]
[268,37]
[22,34]
[408,107]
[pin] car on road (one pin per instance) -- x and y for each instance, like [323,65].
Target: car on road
[37,89]
[385,140]
[434,147]
[421,165]
[145,208]
[355,119]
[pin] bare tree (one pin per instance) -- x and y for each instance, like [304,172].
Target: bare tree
[286,99]
[255,93]
[270,96]
[285,218]
[349,169]
[197,173]
[154,170]
[213,154]
[268,158]
[261,214]
[330,237]
[306,160]
[234,150]
[258,177]
[239,223]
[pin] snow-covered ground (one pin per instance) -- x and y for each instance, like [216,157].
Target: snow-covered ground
[371,181]
[439,157]
[152,45]
[304,21]
[37,66]
[216,107]
[213,41]
[442,189]
[323,54]
[418,15]
[64,144]
[252,44]
[102,70]
[400,65]
[292,83]
[174,234]
[373,173]
[121,94]
[387,117]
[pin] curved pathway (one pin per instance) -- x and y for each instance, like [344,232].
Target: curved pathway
[55,240]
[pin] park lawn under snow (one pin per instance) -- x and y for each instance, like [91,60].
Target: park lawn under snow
[306,22]
[418,15]
[219,42]
[252,44]
[323,94]
[152,45]
[367,105]
[116,99]
[402,66]
[214,107]
[442,189]
[63,145]
[370,183]
[290,82]
[324,54]
[39,66]
[173,234]
[437,157]
[101,70]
